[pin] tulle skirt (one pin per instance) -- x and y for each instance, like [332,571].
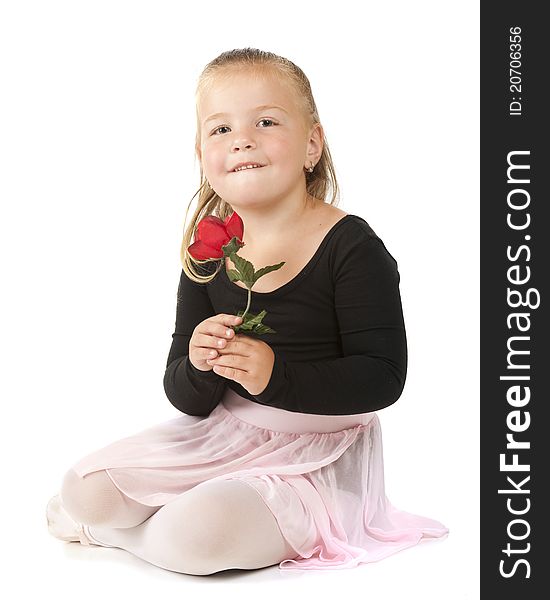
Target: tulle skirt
[322,476]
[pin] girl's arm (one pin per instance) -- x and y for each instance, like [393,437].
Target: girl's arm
[371,373]
[190,390]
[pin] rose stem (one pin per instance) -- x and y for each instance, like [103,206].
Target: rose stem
[248,304]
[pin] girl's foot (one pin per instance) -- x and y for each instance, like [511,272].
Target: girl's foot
[62,526]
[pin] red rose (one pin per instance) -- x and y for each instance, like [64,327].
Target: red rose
[215,239]
[213,233]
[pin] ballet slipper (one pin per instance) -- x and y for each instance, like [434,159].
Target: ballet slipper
[62,526]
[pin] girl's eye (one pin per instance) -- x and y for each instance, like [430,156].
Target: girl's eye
[222,127]
[216,131]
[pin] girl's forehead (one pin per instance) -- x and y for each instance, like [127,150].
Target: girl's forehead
[242,89]
[257,76]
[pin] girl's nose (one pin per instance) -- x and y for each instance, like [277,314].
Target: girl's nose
[243,144]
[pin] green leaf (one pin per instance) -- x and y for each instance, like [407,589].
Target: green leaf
[253,324]
[255,320]
[260,272]
[245,268]
[234,275]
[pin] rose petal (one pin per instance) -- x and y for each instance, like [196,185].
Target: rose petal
[200,251]
[234,226]
[212,234]
[211,230]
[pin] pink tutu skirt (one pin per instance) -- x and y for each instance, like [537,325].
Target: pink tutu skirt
[322,476]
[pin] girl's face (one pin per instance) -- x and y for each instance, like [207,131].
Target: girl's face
[258,120]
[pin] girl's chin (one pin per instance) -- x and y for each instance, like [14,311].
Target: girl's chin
[247,198]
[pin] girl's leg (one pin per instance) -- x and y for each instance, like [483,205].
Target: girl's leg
[215,526]
[95,500]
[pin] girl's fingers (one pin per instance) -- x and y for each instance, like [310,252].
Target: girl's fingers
[224,319]
[205,340]
[234,348]
[212,335]
[228,361]
[222,368]
[221,326]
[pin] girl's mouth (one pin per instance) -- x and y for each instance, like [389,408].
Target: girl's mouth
[246,168]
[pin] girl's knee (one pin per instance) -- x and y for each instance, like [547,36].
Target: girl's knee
[208,530]
[206,524]
[92,499]
[191,533]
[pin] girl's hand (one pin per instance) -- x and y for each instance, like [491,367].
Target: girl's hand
[207,336]
[247,361]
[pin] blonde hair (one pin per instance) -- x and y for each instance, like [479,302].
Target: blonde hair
[319,183]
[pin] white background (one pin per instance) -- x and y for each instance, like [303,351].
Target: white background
[97,168]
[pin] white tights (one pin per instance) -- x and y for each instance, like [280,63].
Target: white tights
[215,526]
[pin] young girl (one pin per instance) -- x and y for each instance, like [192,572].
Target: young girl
[277,456]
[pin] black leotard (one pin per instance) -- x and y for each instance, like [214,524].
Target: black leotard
[340,344]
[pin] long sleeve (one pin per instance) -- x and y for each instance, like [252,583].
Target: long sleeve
[371,373]
[190,390]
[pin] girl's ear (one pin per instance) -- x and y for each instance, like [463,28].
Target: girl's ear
[315,143]
[198,151]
